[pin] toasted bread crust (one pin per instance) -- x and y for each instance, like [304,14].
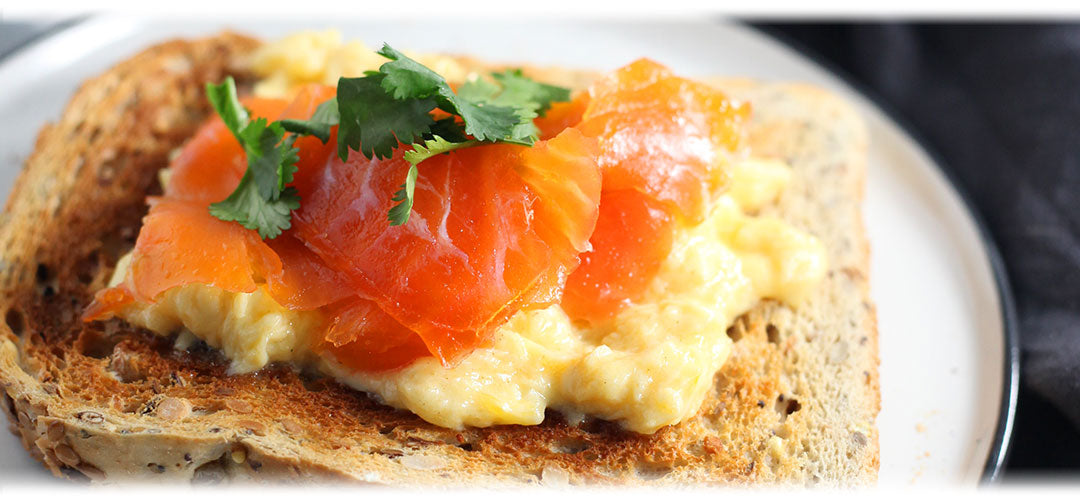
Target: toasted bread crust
[795,403]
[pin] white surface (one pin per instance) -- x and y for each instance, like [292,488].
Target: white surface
[940,322]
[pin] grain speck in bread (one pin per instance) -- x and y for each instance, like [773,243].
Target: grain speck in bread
[796,402]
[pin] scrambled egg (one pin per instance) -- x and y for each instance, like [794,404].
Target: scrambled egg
[649,366]
[322,57]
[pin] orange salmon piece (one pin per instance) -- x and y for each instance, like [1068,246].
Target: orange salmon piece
[312,152]
[107,301]
[663,135]
[633,237]
[363,338]
[211,164]
[562,115]
[306,282]
[181,243]
[494,229]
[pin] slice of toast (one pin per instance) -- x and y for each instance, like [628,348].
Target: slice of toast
[795,403]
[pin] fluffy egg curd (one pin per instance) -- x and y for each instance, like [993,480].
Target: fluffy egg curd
[648,366]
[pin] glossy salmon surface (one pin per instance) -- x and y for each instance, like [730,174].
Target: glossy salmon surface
[583,218]
[665,142]
[494,229]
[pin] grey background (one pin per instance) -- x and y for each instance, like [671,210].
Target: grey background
[16,34]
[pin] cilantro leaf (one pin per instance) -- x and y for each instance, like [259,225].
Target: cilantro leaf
[267,155]
[408,79]
[374,122]
[251,210]
[399,213]
[447,128]
[530,97]
[325,116]
[511,89]
[479,89]
[223,98]
[432,147]
[261,201]
[524,132]
[486,122]
[405,79]
[501,109]
[376,114]
[521,91]
[287,166]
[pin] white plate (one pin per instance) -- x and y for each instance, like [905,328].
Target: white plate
[944,369]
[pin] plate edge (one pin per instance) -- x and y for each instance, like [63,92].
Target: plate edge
[45,33]
[999,450]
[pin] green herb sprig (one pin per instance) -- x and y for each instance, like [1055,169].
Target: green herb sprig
[261,201]
[376,114]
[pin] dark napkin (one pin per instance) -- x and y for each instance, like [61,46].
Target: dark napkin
[1001,104]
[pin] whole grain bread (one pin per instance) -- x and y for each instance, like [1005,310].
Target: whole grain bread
[796,402]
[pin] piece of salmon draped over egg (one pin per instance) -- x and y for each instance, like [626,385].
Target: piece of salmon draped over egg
[583,218]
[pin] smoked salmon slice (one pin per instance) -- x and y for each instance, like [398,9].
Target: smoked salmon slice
[207,170]
[632,238]
[364,338]
[211,164]
[494,229]
[663,135]
[666,138]
[306,282]
[583,218]
[181,243]
[562,115]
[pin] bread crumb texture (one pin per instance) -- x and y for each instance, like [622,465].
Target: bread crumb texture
[795,403]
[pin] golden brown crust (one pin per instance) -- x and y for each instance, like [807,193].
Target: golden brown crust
[795,403]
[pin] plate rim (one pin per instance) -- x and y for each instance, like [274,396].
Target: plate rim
[47,31]
[998,456]
[1000,448]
